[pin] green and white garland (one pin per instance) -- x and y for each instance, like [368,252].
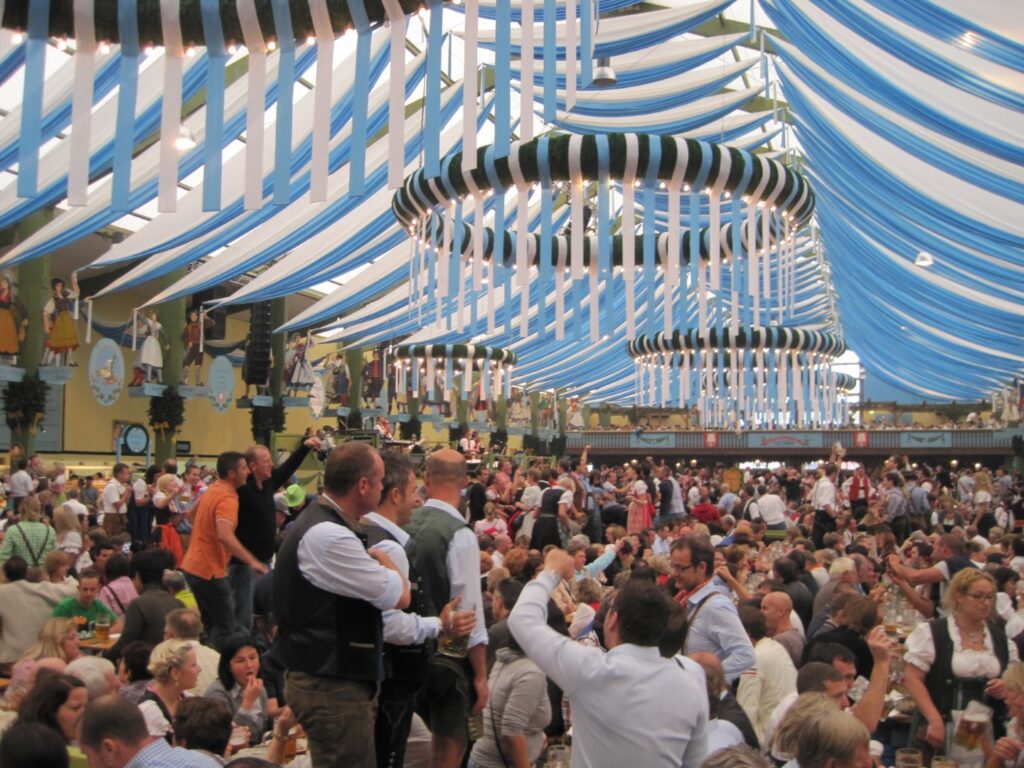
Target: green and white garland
[440,363]
[755,204]
[746,376]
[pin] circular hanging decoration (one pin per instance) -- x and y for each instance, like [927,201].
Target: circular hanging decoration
[222,383]
[106,371]
[743,377]
[456,352]
[574,158]
[151,31]
[780,338]
[845,383]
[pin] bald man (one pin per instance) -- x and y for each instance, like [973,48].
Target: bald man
[445,553]
[777,608]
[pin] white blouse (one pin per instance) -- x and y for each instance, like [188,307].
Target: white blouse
[966,663]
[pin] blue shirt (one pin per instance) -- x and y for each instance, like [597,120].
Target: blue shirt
[591,570]
[160,754]
[716,627]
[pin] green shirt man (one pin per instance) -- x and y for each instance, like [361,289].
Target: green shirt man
[85,608]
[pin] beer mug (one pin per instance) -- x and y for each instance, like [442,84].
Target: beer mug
[102,628]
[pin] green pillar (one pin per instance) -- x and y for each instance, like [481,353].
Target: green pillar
[586,409]
[34,292]
[604,416]
[354,358]
[501,412]
[171,315]
[534,412]
[563,411]
[277,347]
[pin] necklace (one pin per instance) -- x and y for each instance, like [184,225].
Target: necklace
[973,637]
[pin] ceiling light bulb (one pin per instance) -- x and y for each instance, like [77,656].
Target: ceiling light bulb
[186,140]
[924,259]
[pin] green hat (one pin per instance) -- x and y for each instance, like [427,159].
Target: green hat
[295,494]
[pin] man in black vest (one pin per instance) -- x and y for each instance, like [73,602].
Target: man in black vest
[444,551]
[408,635]
[329,593]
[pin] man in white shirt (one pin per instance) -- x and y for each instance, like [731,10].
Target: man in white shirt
[114,502]
[405,632]
[446,555]
[772,509]
[24,608]
[770,680]
[825,504]
[21,483]
[628,702]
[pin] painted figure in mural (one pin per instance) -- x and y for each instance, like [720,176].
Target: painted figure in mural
[336,379]
[519,410]
[191,337]
[373,381]
[575,420]
[298,373]
[13,321]
[59,323]
[151,356]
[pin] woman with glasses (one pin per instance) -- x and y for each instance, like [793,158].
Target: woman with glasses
[957,659]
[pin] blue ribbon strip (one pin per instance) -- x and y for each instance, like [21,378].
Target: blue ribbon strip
[357,163]
[285,90]
[213,33]
[432,111]
[586,38]
[124,144]
[550,59]
[502,78]
[32,108]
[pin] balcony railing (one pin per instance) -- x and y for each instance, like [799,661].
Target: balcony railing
[870,440]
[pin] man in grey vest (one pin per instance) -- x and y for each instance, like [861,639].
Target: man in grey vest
[445,554]
[329,592]
[409,635]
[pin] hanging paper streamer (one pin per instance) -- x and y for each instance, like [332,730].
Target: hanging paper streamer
[526,71]
[215,73]
[546,228]
[124,141]
[88,321]
[586,42]
[254,114]
[170,116]
[396,94]
[469,91]
[502,77]
[81,102]
[604,235]
[628,231]
[570,54]
[32,105]
[285,91]
[550,60]
[432,107]
[322,99]
[357,159]
[576,205]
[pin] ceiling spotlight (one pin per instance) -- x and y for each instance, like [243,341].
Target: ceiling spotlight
[604,75]
[924,259]
[186,140]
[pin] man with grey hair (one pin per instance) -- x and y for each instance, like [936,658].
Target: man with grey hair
[97,673]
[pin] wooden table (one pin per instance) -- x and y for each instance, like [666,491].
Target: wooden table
[94,646]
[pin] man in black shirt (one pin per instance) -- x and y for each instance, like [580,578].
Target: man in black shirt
[257,526]
[476,495]
[664,495]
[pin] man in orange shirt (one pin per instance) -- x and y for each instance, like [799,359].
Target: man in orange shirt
[212,545]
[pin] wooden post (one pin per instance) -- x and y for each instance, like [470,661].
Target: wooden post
[34,291]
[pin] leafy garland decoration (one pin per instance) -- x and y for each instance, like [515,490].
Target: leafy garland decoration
[167,412]
[25,403]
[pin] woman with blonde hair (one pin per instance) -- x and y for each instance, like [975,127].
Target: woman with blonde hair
[58,639]
[29,538]
[817,734]
[175,670]
[953,660]
[1007,751]
[56,564]
[69,530]
[167,511]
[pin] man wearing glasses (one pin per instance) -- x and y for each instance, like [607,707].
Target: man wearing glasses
[714,624]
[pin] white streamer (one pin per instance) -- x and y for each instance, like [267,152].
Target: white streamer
[469,87]
[526,71]
[396,100]
[255,94]
[81,103]
[322,99]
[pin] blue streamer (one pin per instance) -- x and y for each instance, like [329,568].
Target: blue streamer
[285,108]
[32,106]
[213,34]
[432,111]
[502,78]
[357,164]
[586,38]
[550,59]
[124,143]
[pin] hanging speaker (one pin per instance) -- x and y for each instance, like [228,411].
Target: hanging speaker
[257,351]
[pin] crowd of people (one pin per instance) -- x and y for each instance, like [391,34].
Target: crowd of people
[524,612]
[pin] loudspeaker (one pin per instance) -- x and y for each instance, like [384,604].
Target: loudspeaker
[257,351]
